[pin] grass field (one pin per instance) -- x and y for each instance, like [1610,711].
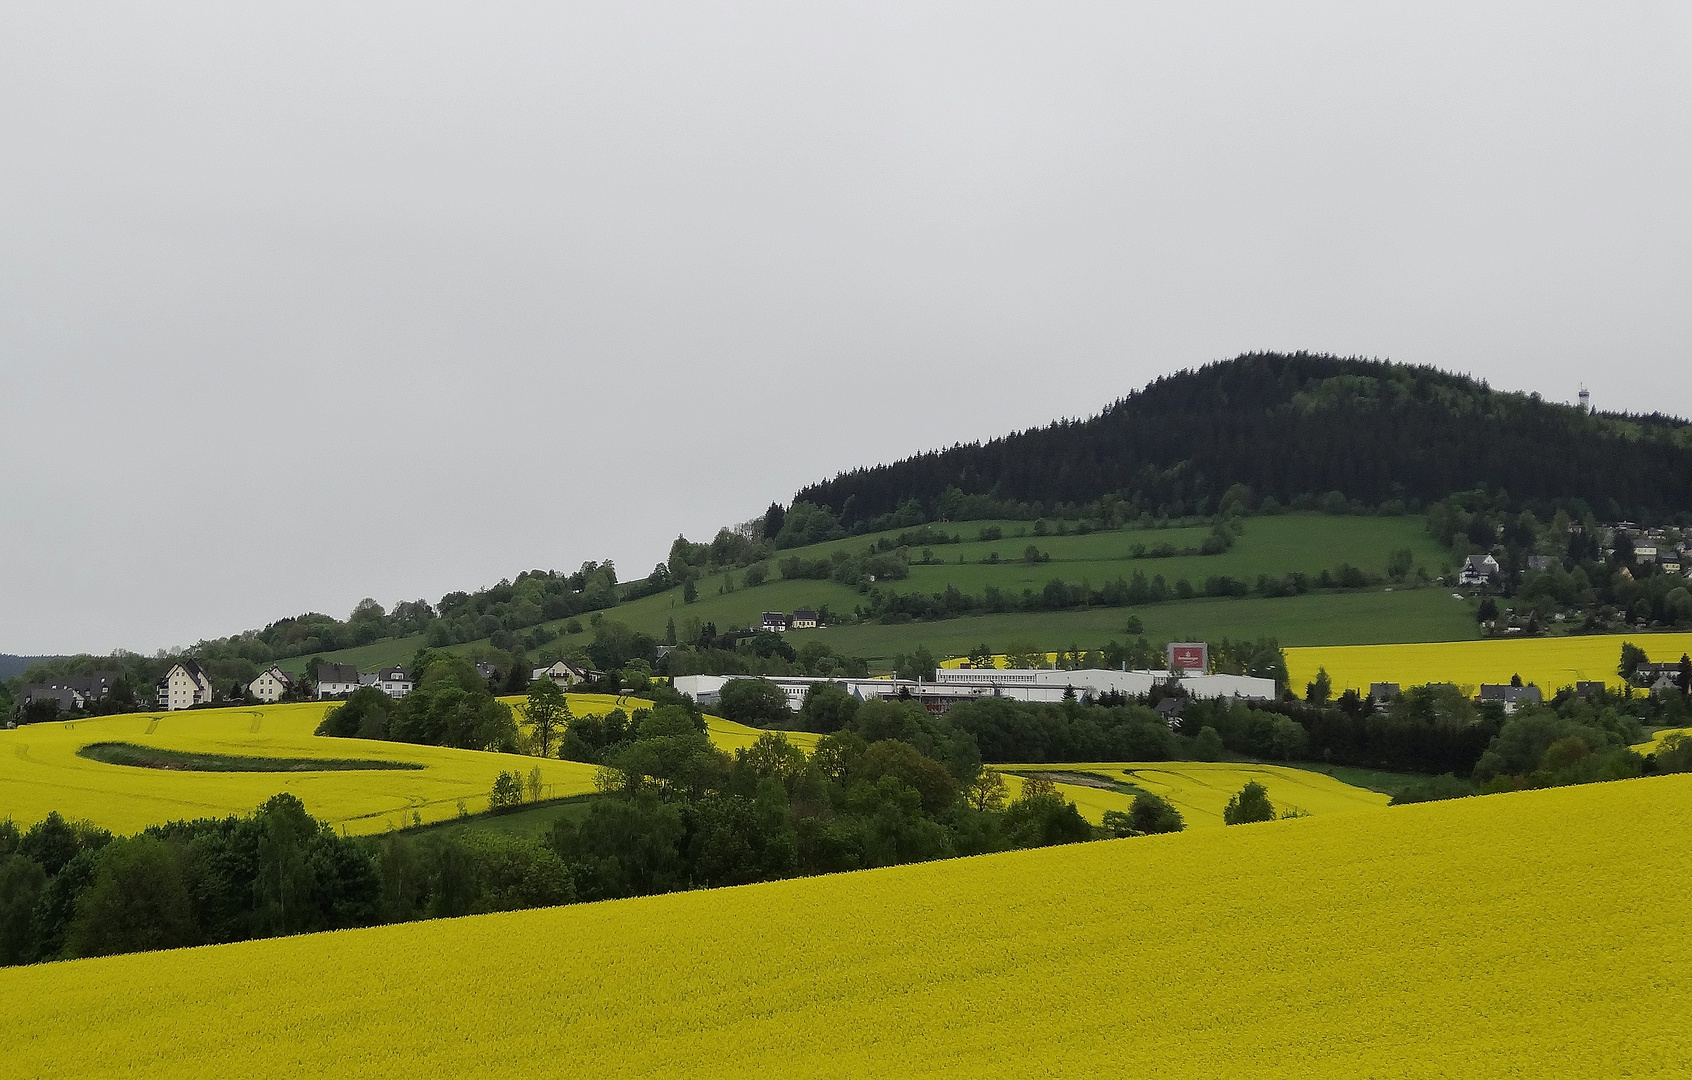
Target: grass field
[1439,940]
[1548,662]
[40,769]
[1201,789]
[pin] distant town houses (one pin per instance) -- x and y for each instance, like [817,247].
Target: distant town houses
[271,685]
[336,680]
[73,694]
[184,686]
[779,622]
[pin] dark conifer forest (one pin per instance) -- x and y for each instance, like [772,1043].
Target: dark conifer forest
[1294,427]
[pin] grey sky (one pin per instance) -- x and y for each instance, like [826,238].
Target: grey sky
[308,302]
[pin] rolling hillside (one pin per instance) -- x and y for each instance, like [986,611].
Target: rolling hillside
[1302,543]
[1444,939]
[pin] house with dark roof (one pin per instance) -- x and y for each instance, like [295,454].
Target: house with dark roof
[184,686]
[1478,570]
[396,682]
[490,673]
[336,680]
[1382,692]
[803,619]
[774,622]
[1512,697]
[562,672]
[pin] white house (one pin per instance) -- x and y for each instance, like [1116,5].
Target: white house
[1477,570]
[563,673]
[395,682]
[774,622]
[803,619]
[270,685]
[336,680]
[184,686]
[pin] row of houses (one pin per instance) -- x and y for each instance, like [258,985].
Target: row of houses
[779,622]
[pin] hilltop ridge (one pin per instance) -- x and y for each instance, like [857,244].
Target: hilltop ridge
[1292,426]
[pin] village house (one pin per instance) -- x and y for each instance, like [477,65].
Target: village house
[803,619]
[490,673]
[1512,697]
[336,680]
[396,682]
[271,685]
[184,686]
[774,622]
[1478,570]
[1382,692]
[561,672]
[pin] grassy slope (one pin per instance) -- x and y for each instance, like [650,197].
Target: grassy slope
[1446,939]
[1275,545]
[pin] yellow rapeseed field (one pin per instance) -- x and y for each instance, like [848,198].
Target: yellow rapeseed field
[40,770]
[1536,934]
[1201,789]
[1548,662]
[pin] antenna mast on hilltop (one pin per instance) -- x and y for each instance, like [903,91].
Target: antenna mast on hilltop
[1585,399]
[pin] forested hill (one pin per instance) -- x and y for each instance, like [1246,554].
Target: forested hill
[1297,426]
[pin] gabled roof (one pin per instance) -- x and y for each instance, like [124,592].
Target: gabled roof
[804,614]
[337,673]
[394,674]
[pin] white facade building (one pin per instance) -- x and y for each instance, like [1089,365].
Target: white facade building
[184,686]
[1096,681]
[395,682]
[336,680]
[562,672]
[270,685]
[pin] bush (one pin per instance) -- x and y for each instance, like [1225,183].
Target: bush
[1250,805]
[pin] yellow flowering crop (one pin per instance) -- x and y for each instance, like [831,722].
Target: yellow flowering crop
[1550,663]
[40,770]
[1200,789]
[1536,934]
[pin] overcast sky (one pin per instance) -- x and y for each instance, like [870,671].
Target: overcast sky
[303,302]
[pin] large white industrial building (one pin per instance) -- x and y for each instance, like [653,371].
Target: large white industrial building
[952,687]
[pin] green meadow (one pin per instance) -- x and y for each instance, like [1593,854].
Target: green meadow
[1303,543]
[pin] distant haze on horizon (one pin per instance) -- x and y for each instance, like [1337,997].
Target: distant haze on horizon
[302,303]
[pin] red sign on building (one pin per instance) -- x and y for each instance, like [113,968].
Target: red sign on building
[1189,656]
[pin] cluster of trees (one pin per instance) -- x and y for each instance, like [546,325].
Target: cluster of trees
[451,706]
[679,813]
[69,889]
[1296,428]
[674,813]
